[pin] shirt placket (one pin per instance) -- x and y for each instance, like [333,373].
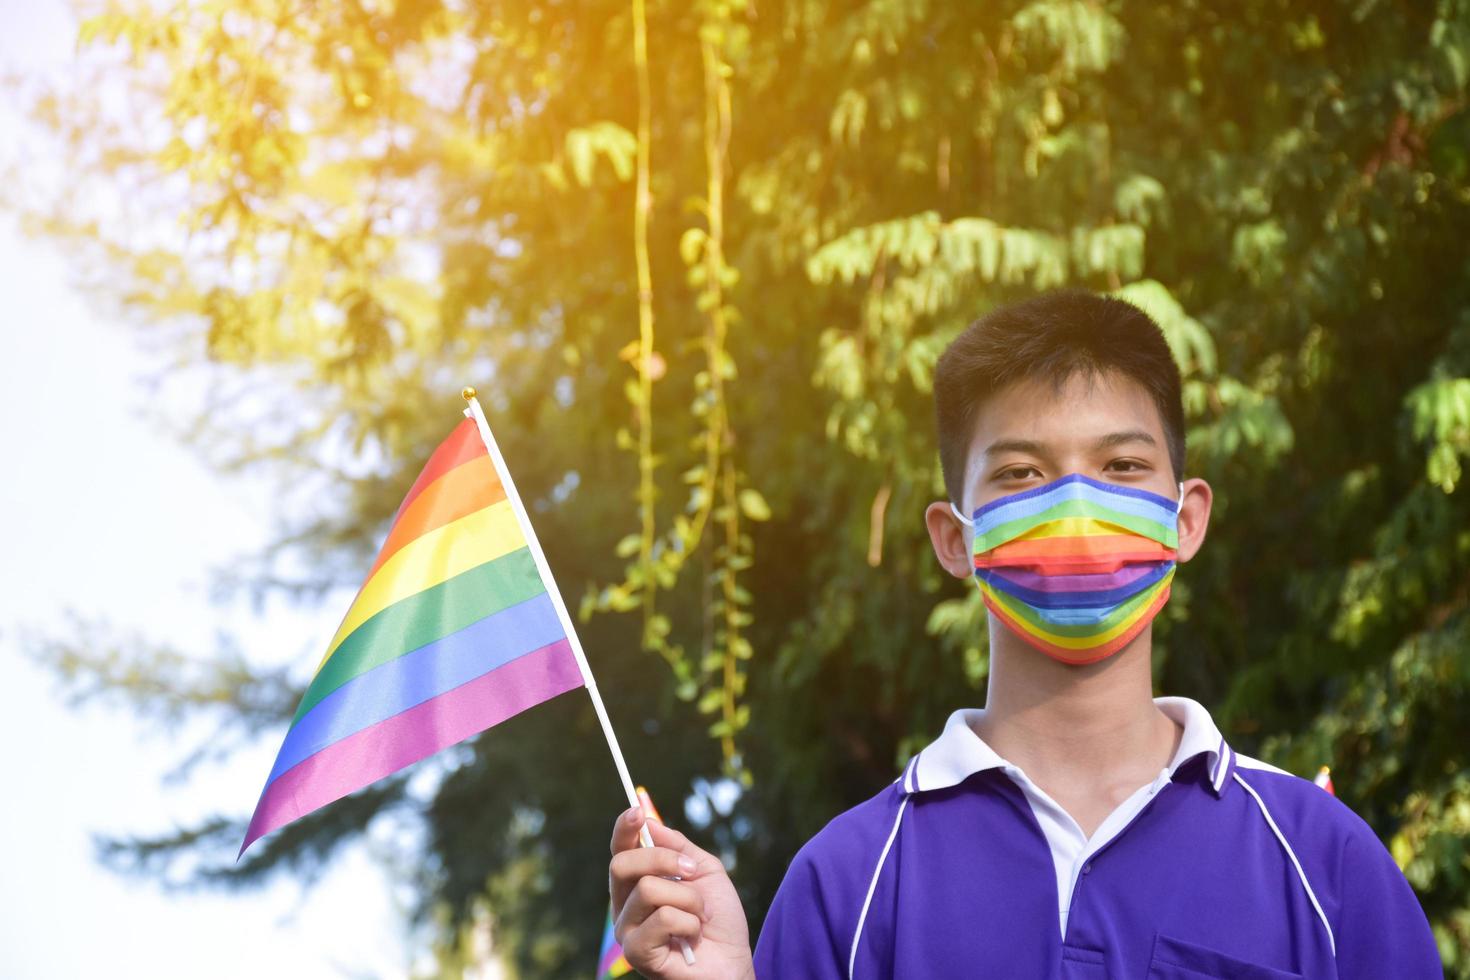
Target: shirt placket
[1081,850]
[1081,962]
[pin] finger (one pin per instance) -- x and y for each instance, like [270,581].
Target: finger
[665,836]
[648,944]
[627,868]
[652,894]
[625,829]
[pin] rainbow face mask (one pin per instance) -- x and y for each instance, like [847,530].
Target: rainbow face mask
[1076,568]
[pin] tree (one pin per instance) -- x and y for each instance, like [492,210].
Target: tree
[704,257]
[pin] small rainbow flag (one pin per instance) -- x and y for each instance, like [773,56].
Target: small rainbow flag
[453,631]
[612,964]
[1324,779]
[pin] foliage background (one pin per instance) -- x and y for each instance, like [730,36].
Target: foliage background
[700,259]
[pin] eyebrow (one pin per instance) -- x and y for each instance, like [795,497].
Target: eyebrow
[1014,446]
[1033,448]
[1119,438]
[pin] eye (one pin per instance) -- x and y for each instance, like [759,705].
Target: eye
[1127,466]
[1018,472]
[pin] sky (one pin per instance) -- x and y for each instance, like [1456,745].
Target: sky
[110,519]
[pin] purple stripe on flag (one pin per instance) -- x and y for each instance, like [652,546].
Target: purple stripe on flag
[394,687]
[374,752]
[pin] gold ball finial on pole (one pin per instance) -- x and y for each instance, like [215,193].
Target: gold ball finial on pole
[467,392]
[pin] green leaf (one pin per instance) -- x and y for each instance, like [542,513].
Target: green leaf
[753,505]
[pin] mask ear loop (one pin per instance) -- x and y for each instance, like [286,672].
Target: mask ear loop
[1178,504]
[970,524]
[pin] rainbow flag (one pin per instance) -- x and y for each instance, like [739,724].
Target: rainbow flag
[453,631]
[611,963]
[1324,779]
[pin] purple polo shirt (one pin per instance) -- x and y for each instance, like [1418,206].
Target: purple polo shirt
[1224,867]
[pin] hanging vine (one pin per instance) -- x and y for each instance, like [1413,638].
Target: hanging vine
[725,646]
[717,492]
[654,629]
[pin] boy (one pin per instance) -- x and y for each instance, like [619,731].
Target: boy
[1076,826]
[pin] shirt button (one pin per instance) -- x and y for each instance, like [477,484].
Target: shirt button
[1087,868]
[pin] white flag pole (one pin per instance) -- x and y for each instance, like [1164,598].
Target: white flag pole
[503,471]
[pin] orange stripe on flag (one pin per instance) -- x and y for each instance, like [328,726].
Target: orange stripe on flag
[469,487]
[463,445]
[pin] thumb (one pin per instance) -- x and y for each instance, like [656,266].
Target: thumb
[666,836]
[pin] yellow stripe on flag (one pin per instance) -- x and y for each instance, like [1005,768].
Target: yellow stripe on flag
[431,559]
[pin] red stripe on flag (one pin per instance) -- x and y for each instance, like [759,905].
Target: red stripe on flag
[461,446]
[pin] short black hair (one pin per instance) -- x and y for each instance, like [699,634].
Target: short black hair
[1053,336]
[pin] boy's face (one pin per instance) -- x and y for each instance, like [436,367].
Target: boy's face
[1104,426]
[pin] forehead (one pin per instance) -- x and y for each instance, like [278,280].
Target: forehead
[1066,418]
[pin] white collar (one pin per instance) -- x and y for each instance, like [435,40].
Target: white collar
[959,753]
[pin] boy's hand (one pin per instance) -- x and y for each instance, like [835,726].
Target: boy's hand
[650,910]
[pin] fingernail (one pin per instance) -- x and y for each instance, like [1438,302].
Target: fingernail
[630,815]
[686,864]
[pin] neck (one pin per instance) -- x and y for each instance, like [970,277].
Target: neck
[1088,724]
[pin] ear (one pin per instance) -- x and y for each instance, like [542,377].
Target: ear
[950,540]
[1194,517]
